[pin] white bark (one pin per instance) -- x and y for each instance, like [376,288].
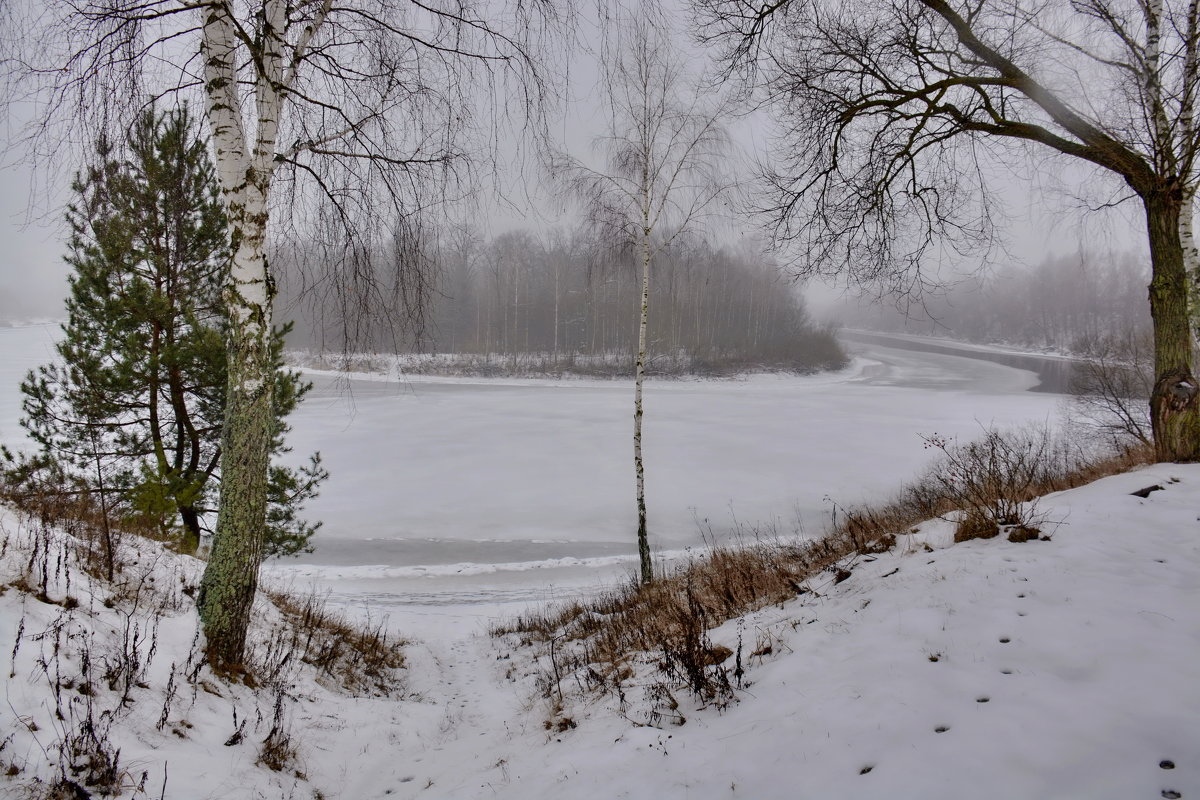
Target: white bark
[1191,256]
[1153,81]
[1187,128]
[647,572]
[244,172]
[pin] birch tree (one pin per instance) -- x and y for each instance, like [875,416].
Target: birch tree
[892,114]
[662,149]
[319,113]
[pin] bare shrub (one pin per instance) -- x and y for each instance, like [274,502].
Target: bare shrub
[278,752]
[92,662]
[126,666]
[50,502]
[595,644]
[85,754]
[691,659]
[974,524]
[87,760]
[996,479]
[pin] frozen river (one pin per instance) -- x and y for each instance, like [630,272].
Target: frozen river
[448,498]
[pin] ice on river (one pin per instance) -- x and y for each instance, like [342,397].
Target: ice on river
[448,494]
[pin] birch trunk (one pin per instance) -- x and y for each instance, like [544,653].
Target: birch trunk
[1187,128]
[244,172]
[647,572]
[1191,257]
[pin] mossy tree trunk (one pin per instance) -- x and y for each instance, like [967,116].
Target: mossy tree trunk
[231,577]
[1174,406]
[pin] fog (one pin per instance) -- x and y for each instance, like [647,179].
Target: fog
[1067,303]
[33,276]
[1044,202]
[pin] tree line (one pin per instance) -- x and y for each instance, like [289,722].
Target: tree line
[566,294]
[1067,303]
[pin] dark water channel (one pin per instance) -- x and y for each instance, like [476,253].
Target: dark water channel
[1054,374]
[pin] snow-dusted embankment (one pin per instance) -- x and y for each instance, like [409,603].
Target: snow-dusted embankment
[1051,669]
[1056,669]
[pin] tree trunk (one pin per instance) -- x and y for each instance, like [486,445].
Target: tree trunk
[1174,413]
[244,169]
[190,542]
[647,572]
[1191,255]
[231,577]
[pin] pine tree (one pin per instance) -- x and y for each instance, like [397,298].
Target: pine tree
[132,414]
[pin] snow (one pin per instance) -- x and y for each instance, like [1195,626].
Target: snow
[1084,647]
[455,503]
[451,494]
[548,460]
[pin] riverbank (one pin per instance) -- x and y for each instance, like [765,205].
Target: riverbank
[1055,371]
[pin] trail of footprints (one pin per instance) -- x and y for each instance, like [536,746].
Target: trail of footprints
[1165,764]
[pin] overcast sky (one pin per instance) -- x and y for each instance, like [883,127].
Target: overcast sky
[33,275]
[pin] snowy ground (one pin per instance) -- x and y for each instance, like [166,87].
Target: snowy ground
[1064,669]
[1003,349]
[1052,669]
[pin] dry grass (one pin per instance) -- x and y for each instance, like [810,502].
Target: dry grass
[592,644]
[97,536]
[358,658]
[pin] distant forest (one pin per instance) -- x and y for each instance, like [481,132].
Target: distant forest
[1067,303]
[571,303]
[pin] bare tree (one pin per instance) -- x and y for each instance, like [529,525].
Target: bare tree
[663,149]
[331,114]
[893,111]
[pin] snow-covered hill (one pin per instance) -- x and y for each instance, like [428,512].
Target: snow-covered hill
[1051,669]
